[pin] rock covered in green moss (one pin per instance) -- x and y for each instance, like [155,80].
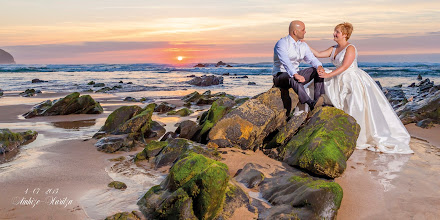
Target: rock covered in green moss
[181,112]
[71,104]
[248,125]
[134,215]
[119,116]
[151,150]
[117,185]
[299,196]
[194,189]
[324,144]
[218,109]
[178,148]
[9,141]
[133,121]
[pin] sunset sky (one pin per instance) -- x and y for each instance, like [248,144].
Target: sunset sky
[140,31]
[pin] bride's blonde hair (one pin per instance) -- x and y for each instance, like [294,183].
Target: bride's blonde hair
[346,28]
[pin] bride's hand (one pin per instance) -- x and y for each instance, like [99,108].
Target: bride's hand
[324,75]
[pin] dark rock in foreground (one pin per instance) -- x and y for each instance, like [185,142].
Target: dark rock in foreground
[6,58]
[194,189]
[10,141]
[250,176]
[325,143]
[206,80]
[299,196]
[71,104]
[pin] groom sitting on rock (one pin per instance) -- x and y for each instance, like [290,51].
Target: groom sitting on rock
[288,54]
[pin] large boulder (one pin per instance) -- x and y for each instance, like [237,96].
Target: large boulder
[194,189]
[295,195]
[6,58]
[324,144]
[206,80]
[10,141]
[248,125]
[428,108]
[71,104]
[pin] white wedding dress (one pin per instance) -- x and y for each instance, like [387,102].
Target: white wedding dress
[357,94]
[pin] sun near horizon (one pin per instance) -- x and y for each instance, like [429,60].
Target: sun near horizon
[179,58]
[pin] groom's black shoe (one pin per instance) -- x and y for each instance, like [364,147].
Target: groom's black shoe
[314,104]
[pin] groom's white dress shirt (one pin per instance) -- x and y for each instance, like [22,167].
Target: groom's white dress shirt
[288,54]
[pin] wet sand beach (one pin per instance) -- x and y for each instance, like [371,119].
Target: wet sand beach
[63,163]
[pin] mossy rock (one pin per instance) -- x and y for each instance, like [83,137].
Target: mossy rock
[192,97]
[71,104]
[140,122]
[195,188]
[218,109]
[10,141]
[300,195]
[324,144]
[117,185]
[182,112]
[119,116]
[134,215]
[151,150]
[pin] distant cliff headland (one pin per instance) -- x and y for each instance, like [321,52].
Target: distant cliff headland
[6,58]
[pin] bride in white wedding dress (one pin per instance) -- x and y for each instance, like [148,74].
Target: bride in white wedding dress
[352,90]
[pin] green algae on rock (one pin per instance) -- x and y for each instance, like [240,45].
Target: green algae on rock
[9,141]
[151,150]
[324,144]
[181,112]
[134,215]
[218,109]
[71,104]
[117,185]
[194,189]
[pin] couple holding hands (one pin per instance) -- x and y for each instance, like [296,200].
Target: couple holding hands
[347,87]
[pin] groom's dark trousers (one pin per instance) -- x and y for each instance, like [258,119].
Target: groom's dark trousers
[283,80]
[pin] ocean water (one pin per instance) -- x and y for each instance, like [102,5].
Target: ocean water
[167,81]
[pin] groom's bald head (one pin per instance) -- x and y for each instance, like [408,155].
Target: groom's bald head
[295,25]
[297,29]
